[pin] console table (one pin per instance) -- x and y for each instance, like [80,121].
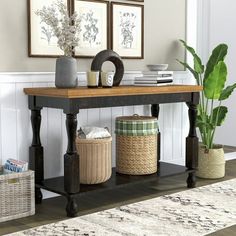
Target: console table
[71,101]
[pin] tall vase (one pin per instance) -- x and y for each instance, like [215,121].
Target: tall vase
[66,72]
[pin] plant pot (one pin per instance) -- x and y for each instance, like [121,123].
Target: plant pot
[66,72]
[211,163]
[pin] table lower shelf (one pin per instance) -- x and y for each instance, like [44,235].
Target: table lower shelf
[56,185]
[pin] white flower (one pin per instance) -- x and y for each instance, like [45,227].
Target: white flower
[66,28]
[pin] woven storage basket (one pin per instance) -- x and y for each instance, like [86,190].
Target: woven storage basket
[211,165]
[95,160]
[136,145]
[16,195]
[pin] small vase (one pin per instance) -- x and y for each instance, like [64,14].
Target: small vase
[211,163]
[66,72]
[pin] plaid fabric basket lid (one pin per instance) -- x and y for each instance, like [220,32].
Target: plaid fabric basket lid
[136,125]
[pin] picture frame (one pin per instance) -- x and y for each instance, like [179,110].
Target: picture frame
[94,35]
[127,30]
[136,0]
[41,42]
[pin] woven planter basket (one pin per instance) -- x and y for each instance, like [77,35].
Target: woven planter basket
[136,145]
[95,160]
[16,195]
[211,165]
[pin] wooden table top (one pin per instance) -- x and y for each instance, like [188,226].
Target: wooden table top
[83,92]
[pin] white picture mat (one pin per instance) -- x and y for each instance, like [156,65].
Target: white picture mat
[136,50]
[100,13]
[38,45]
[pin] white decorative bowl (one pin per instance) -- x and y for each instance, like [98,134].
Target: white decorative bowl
[156,67]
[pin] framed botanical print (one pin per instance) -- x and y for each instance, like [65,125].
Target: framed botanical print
[127,23]
[41,41]
[136,0]
[94,29]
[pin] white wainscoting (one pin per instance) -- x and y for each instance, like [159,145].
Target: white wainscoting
[15,127]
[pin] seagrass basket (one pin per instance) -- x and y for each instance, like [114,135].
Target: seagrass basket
[136,145]
[211,163]
[95,160]
[16,195]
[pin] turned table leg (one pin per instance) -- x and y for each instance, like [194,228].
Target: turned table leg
[192,142]
[155,109]
[71,166]
[36,150]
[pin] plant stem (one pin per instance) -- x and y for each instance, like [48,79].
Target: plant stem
[217,117]
[209,145]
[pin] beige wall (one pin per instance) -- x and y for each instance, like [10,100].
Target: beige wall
[165,22]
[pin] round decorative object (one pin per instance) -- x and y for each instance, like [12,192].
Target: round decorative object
[109,55]
[157,67]
[66,72]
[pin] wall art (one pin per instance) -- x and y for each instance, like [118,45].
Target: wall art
[127,30]
[41,40]
[94,27]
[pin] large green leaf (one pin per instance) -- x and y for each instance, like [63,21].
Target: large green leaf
[198,66]
[227,92]
[218,54]
[215,82]
[195,74]
[203,122]
[219,114]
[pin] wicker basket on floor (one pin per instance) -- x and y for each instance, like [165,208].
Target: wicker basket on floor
[136,145]
[95,160]
[16,195]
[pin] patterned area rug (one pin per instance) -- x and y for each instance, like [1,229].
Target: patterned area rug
[193,212]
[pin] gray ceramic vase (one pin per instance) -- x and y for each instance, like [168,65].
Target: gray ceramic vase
[66,72]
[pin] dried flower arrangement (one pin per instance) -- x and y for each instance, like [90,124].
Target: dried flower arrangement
[63,26]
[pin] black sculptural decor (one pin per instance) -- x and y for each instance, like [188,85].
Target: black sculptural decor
[109,55]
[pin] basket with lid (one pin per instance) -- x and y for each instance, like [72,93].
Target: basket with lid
[136,145]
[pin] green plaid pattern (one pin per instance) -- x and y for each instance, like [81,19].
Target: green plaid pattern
[136,128]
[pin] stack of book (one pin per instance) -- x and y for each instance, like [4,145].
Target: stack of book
[13,165]
[154,78]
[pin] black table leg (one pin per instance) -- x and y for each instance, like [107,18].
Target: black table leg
[192,142]
[71,166]
[155,109]
[36,149]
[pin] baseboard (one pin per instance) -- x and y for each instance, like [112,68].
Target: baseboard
[230,156]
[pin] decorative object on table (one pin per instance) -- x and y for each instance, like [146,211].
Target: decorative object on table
[16,195]
[13,165]
[127,30]
[136,145]
[213,78]
[92,79]
[66,29]
[95,155]
[109,55]
[94,27]
[154,78]
[43,41]
[157,67]
[107,79]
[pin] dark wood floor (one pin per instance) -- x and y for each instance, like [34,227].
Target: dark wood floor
[52,210]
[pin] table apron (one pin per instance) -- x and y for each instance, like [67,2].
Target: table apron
[73,105]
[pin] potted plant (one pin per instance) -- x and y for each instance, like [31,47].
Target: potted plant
[66,28]
[211,112]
